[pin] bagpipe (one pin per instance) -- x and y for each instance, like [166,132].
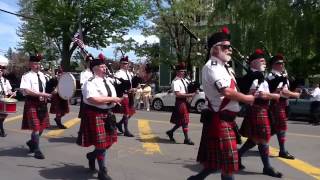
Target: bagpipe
[193,87]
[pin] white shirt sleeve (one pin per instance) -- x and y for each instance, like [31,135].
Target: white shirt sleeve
[8,86]
[91,90]
[220,82]
[25,84]
[176,86]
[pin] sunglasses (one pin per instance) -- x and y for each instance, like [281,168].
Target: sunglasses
[224,47]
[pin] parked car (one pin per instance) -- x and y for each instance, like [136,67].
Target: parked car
[300,108]
[168,98]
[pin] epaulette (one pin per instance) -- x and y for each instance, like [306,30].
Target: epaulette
[91,78]
[214,63]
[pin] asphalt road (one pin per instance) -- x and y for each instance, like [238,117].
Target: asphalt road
[147,156]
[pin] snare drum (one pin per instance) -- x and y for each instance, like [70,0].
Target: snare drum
[8,105]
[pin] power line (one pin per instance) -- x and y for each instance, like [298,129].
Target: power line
[20,15]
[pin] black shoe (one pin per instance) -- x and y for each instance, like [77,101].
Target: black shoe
[31,146]
[128,134]
[193,178]
[3,134]
[103,175]
[286,155]
[92,161]
[170,134]
[188,141]
[272,172]
[241,166]
[38,155]
[59,124]
[119,127]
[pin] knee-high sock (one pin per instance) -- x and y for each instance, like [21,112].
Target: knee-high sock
[101,155]
[35,138]
[122,120]
[125,122]
[1,125]
[264,153]
[227,177]
[204,173]
[175,127]
[282,139]
[185,130]
[246,146]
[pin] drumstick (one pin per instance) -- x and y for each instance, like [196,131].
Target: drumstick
[12,94]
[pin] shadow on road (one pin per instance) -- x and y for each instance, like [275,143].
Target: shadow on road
[66,171]
[20,151]
[251,153]
[63,140]
[156,140]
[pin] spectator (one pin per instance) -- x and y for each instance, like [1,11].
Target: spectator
[146,96]
[138,97]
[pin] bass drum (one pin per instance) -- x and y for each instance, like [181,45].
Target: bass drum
[66,86]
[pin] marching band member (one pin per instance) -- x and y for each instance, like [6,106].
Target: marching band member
[5,91]
[256,124]
[180,114]
[84,76]
[35,112]
[279,83]
[218,146]
[98,122]
[59,106]
[127,103]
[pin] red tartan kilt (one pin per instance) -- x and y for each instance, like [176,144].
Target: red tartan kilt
[125,108]
[94,132]
[278,111]
[219,153]
[180,113]
[30,119]
[256,124]
[59,105]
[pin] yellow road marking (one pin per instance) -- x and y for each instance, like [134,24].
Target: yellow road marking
[13,118]
[149,140]
[296,163]
[59,132]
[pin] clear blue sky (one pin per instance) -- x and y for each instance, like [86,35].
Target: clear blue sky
[10,23]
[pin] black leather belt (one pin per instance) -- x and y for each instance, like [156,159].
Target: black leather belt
[93,108]
[225,116]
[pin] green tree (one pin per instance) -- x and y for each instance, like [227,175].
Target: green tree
[174,39]
[9,54]
[289,27]
[56,22]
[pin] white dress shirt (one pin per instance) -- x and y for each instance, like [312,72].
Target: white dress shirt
[30,81]
[215,77]
[95,87]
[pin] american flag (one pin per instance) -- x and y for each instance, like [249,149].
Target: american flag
[78,40]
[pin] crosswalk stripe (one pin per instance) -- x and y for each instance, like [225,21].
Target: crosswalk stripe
[149,140]
[15,118]
[58,132]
